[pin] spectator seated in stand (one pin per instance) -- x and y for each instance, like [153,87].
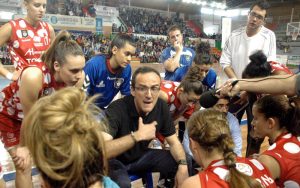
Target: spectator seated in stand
[151,22]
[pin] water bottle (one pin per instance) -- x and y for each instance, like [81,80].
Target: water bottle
[156,144]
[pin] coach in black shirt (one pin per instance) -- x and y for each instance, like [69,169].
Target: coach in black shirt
[133,123]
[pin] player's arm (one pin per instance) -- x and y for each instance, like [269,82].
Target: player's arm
[5,34]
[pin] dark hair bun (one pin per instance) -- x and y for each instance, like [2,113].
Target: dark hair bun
[258,57]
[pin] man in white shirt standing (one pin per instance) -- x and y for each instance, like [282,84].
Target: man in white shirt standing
[241,44]
[246,40]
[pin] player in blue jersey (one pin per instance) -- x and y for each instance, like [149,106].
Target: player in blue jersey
[176,58]
[107,75]
[204,61]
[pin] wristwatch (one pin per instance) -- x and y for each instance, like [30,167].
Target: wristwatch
[182,162]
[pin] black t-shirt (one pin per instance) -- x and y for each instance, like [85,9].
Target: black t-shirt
[123,118]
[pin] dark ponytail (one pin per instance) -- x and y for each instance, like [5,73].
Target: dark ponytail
[293,126]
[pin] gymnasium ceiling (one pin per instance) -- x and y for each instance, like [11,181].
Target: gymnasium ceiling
[243,3]
[178,6]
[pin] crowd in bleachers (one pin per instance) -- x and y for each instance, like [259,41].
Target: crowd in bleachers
[151,22]
[4,57]
[148,49]
[140,21]
[71,8]
[92,44]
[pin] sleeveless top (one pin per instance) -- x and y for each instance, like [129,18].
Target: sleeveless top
[286,151]
[27,43]
[10,104]
[214,176]
[170,88]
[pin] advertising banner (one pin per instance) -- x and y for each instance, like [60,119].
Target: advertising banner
[66,21]
[106,11]
[99,25]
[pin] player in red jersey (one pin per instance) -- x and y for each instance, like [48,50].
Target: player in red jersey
[183,97]
[62,66]
[212,147]
[258,67]
[26,38]
[277,118]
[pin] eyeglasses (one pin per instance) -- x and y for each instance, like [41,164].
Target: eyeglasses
[143,89]
[254,15]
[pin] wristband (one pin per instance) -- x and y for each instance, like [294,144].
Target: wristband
[9,76]
[133,137]
[182,162]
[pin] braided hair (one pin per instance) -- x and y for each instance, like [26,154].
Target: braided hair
[209,128]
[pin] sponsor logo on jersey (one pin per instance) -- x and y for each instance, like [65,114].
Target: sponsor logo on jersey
[109,78]
[37,39]
[118,82]
[32,52]
[38,44]
[101,84]
[26,40]
[10,135]
[24,33]
[188,58]
[31,60]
